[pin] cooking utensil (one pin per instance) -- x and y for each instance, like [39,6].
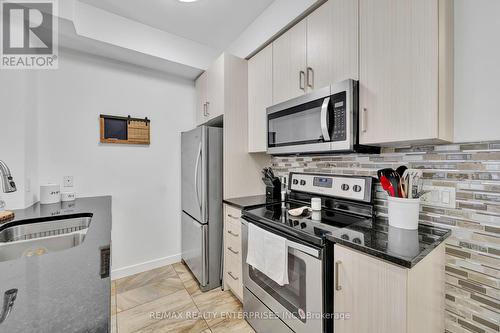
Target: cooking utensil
[267,181]
[421,194]
[301,211]
[404,183]
[393,178]
[414,182]
[387,186]
[401,170]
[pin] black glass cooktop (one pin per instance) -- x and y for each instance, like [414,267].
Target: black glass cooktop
[308,227]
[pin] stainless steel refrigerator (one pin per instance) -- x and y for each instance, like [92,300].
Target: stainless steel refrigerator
[202,204]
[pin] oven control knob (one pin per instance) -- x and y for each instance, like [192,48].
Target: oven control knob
[302,182]
[356,240]
[295,182]
[345,236]
[357,188]
[345,187]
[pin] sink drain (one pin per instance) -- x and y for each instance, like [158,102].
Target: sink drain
[35,252]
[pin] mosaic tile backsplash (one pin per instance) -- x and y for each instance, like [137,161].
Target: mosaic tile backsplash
[473,250]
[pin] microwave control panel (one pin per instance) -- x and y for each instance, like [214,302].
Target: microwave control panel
[339,117]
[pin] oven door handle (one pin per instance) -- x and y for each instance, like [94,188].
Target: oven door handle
[324,119]
[316,253]
[302,248]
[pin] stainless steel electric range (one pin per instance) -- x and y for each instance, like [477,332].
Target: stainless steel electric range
[305,304]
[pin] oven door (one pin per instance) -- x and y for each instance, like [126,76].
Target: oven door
[300,125]
[298,304]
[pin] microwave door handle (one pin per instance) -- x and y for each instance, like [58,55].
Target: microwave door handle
[324,119]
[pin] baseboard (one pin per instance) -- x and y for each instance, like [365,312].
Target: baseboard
[144,266]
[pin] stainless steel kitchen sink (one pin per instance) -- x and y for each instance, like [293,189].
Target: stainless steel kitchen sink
[42,237]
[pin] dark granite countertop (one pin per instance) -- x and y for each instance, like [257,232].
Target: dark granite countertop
[248,202]
[61,291]
[399,246]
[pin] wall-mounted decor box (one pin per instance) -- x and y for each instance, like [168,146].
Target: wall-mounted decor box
[125,130]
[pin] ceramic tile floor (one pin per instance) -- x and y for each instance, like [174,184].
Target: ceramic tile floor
[167,299]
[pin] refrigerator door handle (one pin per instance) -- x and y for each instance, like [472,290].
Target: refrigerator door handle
[204,256]
[198,200]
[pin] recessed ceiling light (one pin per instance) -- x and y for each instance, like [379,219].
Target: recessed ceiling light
[187,0]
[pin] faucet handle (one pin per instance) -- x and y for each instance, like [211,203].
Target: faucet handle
[7,181]
[8,303]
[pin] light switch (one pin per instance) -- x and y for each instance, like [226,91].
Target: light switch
[445,198]
[439,196]
[435,196]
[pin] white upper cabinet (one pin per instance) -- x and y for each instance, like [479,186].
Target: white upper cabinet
[406,65]
[201,98]
[319,50]
[215,88]
[332,43]
[289,64]
[345,27]
[260,96]
[210,92]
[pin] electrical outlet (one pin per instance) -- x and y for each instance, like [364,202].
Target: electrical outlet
[439,196]
[68,181]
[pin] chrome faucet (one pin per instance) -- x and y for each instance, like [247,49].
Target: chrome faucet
[7,181]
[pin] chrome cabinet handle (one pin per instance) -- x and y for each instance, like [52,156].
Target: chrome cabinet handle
[232,276]
[232,233]
[338,287]
[8,303]
[302,80]
[310,77]
[205,109]
[364,121]
[233,251]
[208,113]
[233,217]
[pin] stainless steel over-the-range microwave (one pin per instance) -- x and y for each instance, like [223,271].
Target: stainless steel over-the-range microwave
[325,120]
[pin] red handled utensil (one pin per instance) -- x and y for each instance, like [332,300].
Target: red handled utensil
[387,186]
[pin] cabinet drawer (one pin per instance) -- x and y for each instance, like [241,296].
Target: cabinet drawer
[232,213]
[232,246]
[233,229]
[234,276]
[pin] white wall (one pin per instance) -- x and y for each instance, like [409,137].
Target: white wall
[277,16]
[143,180]
[18,148]
[477,70]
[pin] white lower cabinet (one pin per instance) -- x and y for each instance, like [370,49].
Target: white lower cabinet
[375,296]
[233,277]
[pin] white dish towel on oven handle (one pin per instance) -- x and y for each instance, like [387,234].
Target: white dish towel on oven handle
[268,253]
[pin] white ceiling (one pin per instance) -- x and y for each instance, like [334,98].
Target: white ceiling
[215,23]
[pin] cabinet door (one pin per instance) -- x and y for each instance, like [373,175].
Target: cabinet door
[201,98]
[332,43]
[260,96]
[289,63]
[319,47]
[372,292]
[215,88]
[345,39]
[398,70]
